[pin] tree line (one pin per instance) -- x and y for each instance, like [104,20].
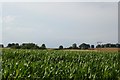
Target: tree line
[24,46]
[88,46]
[73,46]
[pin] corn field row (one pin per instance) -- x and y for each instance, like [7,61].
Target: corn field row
[59,65]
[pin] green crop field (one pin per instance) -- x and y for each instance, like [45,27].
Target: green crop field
[59,65]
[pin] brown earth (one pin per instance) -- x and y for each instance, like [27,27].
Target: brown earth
[108,49]
[97,49]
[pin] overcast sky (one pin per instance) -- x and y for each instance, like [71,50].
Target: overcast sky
[0,23]
[59,0]
[56,23]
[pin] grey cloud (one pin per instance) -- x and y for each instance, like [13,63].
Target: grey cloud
[0,23]
[61,23]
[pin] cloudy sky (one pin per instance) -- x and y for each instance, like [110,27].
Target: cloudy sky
[60,23]
[0,23]
[59,0]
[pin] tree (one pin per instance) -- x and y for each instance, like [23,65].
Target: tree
[108,45]
[29,46]
[9,45]
[118,45]
[60,47]
[84,46]
[1,46]
[43,46]
[113,46]
[102,46]
[98,46]
[74,46]
[92,46]
[69,47]
[13,45]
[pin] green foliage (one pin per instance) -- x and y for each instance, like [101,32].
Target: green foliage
[23,46]
[108,45]
[74,46]
[59,65]
[29,46]
[84,46]
[43,46]
[92,46]
[13,45]
[60,47]
[1,46]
